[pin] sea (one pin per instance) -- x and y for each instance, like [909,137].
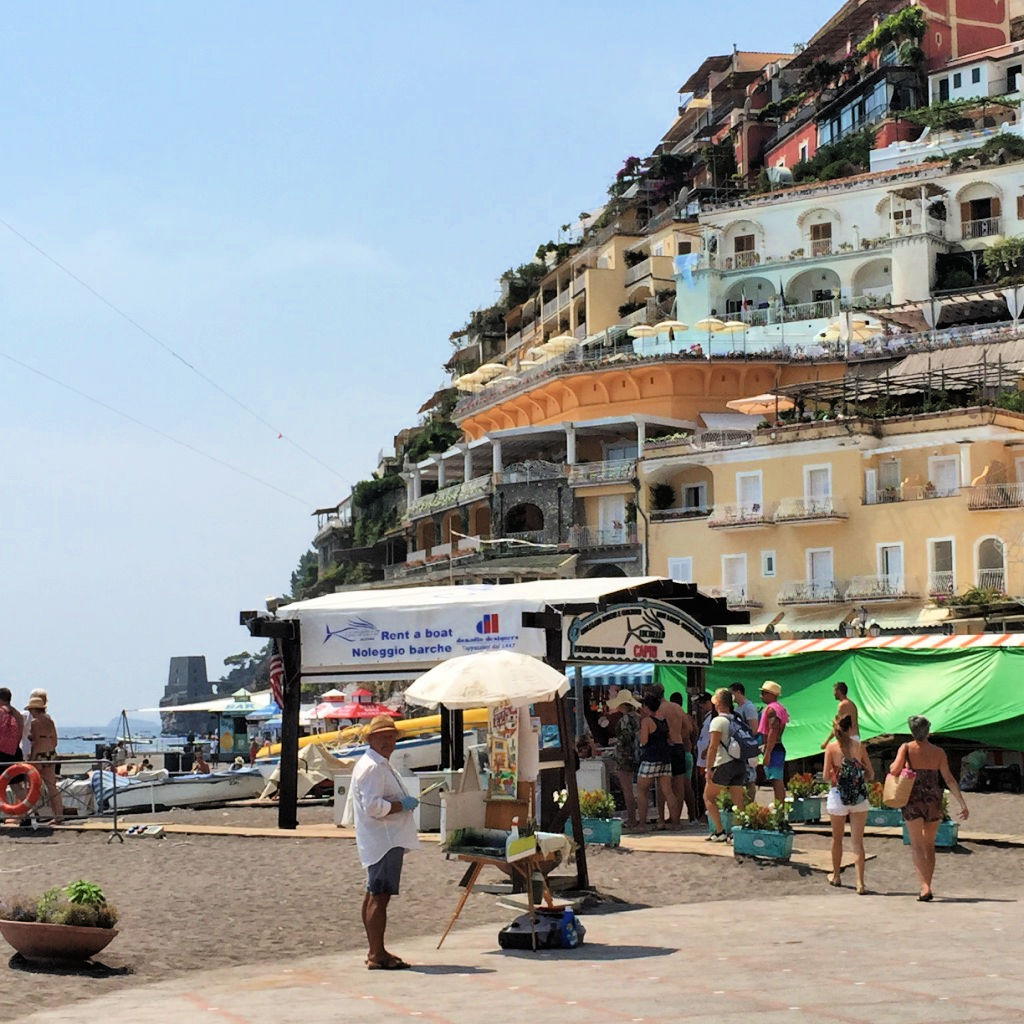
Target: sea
[83,739]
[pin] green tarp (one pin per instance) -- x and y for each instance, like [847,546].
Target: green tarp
[973,695]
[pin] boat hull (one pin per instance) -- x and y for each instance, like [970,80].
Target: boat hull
[187,791]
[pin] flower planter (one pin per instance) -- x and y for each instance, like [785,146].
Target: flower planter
[727,822]
[755,842]
[55,942]
[804,808]
[599,831]
[945,838]
[885,817]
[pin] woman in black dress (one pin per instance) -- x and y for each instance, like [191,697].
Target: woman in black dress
[923,812]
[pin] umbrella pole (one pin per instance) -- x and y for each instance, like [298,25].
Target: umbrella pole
[582,875]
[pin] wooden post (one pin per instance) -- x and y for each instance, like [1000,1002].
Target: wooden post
[446,736]
[458,741]
[288,784]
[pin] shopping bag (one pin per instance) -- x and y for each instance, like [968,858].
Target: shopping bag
[896,791]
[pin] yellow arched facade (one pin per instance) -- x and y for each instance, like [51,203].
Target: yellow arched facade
[669,390]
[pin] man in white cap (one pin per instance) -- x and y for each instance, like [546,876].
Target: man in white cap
[773,722]
[385,829]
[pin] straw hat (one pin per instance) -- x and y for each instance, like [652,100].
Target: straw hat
[623,697]
[770,686]
[380,723]
[36,703]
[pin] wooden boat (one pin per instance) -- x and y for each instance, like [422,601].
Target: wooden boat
[151,790]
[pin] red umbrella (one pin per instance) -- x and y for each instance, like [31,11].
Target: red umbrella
[353,710]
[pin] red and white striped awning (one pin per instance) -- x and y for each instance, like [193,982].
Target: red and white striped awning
[917,642]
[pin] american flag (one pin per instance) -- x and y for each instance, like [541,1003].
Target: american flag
[277,678]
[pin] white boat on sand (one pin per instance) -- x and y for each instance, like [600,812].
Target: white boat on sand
[151,790]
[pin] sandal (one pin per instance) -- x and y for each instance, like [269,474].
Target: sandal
[389,963]
[835,880]
[717,837]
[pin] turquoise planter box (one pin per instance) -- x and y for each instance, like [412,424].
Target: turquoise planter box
[945,838]
[806,808]
[599,831]
[885,817]
[754,842]
[727,822]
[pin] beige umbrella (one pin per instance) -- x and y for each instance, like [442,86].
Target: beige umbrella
[670,325]
[468,382]
[709,324]
[642,331]
[761,405]
[733,327]
[489,371]
[558,344]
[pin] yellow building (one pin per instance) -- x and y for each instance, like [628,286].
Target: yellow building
[815,525]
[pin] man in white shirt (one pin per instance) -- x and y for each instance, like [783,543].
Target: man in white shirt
[385,829]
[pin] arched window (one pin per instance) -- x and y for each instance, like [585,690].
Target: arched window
[991,564]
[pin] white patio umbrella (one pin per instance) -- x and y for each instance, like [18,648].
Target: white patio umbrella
[761,405]
[486,679]
[558,345]
[642,331]
[670,326]
[488,371]
[709,324]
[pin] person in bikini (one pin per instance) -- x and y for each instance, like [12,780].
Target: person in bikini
[42,738]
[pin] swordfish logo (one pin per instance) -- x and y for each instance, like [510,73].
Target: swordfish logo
[650,628]
[354,630]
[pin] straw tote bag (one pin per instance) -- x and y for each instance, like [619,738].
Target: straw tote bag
[896,791]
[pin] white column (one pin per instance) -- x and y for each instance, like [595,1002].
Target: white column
[415,482]
[570,444]
[965,465]
[641,437]
[440,472]
[467,464]
[496,457]
[409,496]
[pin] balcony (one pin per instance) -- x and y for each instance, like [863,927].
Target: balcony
[587,538]
[884,587]
[740,517]
[639,316]
[992,579]
[639,271]
[809,510]
[671,515]
[984,228]
[821,247]
[579,285]
[811,592]
[941,584]
[986,496]
[744,260]
[531,472]
[736,596]
[914,492]
[550,308]
[449,497]
[589,473]
[580,333]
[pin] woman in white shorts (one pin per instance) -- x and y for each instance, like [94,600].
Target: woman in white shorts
[848,771]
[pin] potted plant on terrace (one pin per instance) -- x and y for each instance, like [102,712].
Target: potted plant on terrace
[597,809]
[948,833]
[880,815]
[70,923]
[762,832]
[802,804]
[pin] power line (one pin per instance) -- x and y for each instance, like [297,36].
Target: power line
[281,436]
[147,426]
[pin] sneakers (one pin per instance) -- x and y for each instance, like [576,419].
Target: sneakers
[717,837]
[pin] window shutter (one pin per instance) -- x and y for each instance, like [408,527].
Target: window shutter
[965,213]
[1020,207]
[996,207]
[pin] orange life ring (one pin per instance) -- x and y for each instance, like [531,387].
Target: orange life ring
[35,787]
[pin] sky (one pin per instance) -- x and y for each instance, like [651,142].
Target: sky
[221,223]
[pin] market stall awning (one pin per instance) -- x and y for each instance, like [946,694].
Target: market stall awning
[633,676]
[216,705]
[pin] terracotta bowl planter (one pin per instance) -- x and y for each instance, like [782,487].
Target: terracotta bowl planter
[48,942]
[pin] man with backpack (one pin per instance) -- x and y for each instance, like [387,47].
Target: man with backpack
[726,763]
[747,711]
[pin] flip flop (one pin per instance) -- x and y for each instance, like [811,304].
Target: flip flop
[926,898]
[392,963]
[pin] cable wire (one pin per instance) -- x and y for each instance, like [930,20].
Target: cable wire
[281,436]
[155,430]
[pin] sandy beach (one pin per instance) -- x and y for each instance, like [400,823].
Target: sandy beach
[189,901]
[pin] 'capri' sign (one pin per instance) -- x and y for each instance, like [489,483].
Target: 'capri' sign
[640,631]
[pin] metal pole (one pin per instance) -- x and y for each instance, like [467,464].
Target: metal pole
[288,785]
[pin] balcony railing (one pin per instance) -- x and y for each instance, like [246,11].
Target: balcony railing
[739,516]
[811,592]
[736,596]
[579,284]
[587,538]
[984,496]
[416,557]
[821,247]
[914,492]
[795,510]
[883,496]
[526,536]
[884,587]
[982,228]
[449,497]
[529,472]
[638,316]
[992,579]
[941,583]
[639,271]
[441,550]
[742,260]
[671,515]
[549,308]
[601,472]
[580,332]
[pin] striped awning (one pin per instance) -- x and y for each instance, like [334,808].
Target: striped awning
[633,676]
[916,642]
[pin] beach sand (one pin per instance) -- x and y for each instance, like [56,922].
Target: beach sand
[189,902]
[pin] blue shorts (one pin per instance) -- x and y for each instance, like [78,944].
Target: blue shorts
[383,877]
[775,767]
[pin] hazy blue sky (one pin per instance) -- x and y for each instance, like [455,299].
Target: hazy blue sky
[303,201]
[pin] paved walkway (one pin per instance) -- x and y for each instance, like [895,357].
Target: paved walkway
[827,958]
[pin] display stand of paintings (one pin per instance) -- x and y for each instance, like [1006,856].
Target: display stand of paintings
[503,752]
